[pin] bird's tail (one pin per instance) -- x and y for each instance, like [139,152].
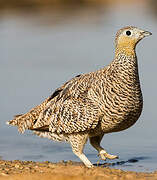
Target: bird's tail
[26,121]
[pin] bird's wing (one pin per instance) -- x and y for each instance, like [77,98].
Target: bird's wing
[27,120]
[72,109]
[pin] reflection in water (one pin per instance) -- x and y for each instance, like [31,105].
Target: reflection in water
[43,47]
[133,160]
[127,164]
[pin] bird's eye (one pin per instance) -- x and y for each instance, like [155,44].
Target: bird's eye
[128,33]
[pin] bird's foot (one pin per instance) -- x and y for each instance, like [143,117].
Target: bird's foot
[104,155]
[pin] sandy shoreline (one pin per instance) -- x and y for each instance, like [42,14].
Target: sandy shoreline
[29,170]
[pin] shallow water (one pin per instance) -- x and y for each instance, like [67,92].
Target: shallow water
[40,51]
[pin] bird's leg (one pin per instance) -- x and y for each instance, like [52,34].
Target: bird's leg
[84,159]
[77,142]
[95,142]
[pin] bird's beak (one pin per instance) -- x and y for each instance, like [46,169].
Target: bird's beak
[146,33]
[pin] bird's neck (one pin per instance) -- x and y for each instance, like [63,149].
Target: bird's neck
[127,49]
[125,56]
[125,63]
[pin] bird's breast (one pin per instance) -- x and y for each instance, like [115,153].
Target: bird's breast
[121,106]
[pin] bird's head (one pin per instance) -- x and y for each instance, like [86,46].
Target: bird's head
[129,36]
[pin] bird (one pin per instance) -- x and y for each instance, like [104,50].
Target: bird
[92,104]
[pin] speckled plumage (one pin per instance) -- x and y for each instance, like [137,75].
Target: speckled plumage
[92,104]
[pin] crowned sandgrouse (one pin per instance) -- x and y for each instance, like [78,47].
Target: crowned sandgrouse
[93,104]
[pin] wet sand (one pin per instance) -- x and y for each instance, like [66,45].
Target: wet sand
[29,170]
